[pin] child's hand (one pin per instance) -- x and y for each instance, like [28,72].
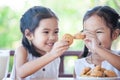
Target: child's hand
[60,47]
[91,41]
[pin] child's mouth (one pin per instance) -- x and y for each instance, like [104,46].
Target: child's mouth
[50,44]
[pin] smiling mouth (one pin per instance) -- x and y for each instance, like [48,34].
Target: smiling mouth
[50,44]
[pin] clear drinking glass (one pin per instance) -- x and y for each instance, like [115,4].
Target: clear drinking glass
[4,63]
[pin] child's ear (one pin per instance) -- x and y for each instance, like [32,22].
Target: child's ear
[28,34]
[115,34]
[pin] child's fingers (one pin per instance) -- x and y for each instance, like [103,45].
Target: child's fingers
[64,43]
[59,50]
[62,49]
[60,44]
[91,41]
[90,35]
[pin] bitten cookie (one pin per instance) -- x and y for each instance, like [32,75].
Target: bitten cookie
[79,36]
[69,38]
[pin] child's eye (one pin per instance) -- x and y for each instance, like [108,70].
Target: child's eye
[99,32]
[45,32]
[56,32]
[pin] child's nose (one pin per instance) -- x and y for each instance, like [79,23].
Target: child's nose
[52,37]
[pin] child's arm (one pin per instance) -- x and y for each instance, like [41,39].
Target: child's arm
[25,68]
[109,56]
[94,45]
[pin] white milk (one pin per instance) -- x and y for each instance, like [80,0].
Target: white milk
[4,63]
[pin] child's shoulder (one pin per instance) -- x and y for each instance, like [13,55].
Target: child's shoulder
[21,50]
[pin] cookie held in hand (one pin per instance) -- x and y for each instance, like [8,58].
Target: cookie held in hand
[79,36]
[69,38]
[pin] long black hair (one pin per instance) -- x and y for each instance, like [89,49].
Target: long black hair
[30,20]
[109,15]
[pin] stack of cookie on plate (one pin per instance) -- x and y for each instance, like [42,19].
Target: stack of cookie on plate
[98,71]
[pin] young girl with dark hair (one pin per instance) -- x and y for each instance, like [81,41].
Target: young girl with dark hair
[101,26]
[38,56]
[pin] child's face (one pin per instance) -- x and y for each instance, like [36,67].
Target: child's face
[45,35]
[97,26]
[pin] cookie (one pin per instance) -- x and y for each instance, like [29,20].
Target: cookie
[102,69]
[69,38]
[79,36]
[97,68]
[96,73]
[85,70]
[110,73]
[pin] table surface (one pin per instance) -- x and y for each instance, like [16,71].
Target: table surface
[57,79]
[48,79]
[67,78]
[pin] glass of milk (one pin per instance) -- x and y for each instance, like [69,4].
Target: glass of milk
[4,63]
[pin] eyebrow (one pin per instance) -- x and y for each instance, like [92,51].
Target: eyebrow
[96,29]
[49,29]
[100,28]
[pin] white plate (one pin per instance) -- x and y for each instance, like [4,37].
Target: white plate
[98,78]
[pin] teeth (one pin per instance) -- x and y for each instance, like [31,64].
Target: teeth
[50,44]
